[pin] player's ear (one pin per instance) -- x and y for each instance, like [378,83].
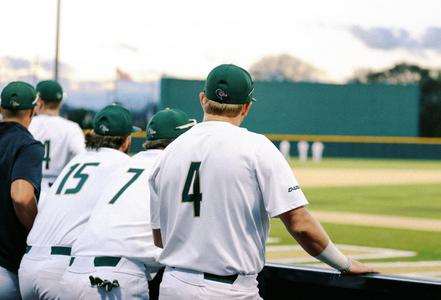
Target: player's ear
[245,109]
[202,99]
[31,113]
[126,145]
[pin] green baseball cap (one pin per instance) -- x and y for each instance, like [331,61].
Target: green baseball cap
[114,120]
[168,124]
[18,95]
[50,90]
[229,84]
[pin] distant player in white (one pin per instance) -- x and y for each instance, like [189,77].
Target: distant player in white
[285,148]
[65,211]
[115,254]
[62,139]
[213,193]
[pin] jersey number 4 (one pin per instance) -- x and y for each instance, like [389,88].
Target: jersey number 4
[193,182]
[78,175]
[47,151]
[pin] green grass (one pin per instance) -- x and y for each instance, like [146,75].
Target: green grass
[425,244]
[355,163]
[423,201]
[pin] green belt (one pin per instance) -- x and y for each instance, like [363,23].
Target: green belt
[55,250]
[102,261]
[230,279]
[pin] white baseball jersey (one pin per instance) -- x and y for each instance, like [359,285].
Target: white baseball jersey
[62,140]
[212,195]
[63,213]
[120,223]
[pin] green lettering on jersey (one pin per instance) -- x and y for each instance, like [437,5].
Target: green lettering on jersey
[78,175]
[137,173]
[47,150]
[196,197]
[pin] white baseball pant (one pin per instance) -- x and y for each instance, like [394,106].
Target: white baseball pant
[8,285]
[128,279]
[182,284]
[41,270]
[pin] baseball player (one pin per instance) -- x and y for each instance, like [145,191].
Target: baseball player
[20,178]
[213,193]
[62,139]
[115,253]
[65,211]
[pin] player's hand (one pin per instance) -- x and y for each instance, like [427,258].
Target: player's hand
[357,268]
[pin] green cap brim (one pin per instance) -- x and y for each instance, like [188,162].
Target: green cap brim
[136,129]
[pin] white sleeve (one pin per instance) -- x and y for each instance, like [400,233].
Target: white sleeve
[279,187]
[154,196]
[77,143]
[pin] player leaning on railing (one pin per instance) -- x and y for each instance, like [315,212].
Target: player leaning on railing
[213,193]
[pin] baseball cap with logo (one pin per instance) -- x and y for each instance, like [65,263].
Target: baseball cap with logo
[229,84]
[168,124]
[114,120]
[18,95]
[50,90]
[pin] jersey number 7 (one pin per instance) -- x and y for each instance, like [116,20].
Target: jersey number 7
[193,182]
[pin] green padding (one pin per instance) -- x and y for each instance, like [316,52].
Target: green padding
[313,108]
[106,261]
[224,279]
[56,250]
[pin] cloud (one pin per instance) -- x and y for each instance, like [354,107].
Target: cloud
[15,63]
[432,38]
[385,38]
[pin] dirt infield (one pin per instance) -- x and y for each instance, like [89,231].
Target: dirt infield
[363,177]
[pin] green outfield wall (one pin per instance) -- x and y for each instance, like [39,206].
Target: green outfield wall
[315,109]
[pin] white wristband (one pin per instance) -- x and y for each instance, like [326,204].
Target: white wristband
[333,257]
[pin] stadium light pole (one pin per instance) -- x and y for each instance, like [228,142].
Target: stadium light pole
[57,40]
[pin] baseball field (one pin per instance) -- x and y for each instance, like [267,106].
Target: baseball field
[386,213]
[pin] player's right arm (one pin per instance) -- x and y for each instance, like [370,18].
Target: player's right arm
[284,198]
[308,232]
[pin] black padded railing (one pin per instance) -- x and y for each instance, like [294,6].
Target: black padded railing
[277,281]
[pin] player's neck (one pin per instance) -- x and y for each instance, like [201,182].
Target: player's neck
[50,112]
[235,121]
[22,122]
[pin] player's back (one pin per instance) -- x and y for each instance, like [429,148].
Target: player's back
[69,203]
[62,139]
[120,222]
[214,189]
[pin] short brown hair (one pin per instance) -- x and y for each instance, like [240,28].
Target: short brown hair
[95,141]
[9,113]
[51,104]
[157,144]
[222,109]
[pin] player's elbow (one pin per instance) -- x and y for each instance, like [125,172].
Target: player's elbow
[22,194]
[299,221]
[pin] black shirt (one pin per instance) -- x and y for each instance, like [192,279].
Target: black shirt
[20,158]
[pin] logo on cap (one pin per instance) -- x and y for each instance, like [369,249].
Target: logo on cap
[221,94]
[104,129]
[14,103]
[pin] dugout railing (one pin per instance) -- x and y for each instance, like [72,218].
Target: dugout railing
[277,281]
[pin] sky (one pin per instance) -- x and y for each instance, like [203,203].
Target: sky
[149,39]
